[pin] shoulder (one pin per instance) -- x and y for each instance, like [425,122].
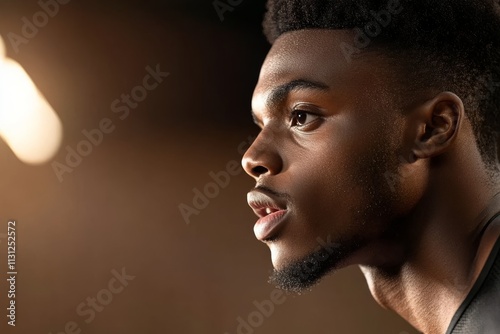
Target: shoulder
[480,312]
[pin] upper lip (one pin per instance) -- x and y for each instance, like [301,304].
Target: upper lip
[261,203]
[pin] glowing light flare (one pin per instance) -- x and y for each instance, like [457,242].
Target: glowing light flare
[2,49]
[28,124]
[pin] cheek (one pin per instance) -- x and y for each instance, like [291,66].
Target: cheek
[324,186]
[344,180]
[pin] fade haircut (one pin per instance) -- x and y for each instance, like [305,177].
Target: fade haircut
[447,45]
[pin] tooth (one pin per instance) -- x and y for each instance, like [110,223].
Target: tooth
[269,211]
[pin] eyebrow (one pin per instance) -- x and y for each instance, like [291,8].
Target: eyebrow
[280,93]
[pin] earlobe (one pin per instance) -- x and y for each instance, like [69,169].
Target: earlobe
[438,125]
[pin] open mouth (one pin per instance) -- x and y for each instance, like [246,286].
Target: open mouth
[263,210]
[270,212]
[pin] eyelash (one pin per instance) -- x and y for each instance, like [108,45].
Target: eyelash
[292,118]
[296,112]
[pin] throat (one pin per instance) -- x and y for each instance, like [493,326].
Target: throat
[430,284]
[426,304]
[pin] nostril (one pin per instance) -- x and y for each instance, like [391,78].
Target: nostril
[259,170]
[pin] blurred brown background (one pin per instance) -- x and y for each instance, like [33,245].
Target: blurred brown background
[120,207]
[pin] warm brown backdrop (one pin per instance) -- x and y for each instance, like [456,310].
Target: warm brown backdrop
[119,208]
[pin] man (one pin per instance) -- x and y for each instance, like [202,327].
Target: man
[378,147]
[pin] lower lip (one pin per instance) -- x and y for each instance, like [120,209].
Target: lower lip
[266,226]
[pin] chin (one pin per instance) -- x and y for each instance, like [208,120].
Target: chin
[298,274]
[283,254]
[297,267]
[279,257]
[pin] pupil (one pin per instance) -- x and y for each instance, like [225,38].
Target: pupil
[301,118]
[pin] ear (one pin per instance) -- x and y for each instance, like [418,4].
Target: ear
[438,122]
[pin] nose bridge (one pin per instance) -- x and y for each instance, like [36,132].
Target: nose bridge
[263,155]
[265,140]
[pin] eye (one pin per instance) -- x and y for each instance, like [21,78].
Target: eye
[302,118]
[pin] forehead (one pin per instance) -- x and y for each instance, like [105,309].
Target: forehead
[317,55]
[306,52]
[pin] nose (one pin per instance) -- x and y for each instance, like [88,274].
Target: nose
[262,157]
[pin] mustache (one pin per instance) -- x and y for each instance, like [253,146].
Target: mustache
[273,193]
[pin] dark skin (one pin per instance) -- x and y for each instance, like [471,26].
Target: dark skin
[328,141]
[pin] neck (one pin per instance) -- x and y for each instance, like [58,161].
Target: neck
[442,254]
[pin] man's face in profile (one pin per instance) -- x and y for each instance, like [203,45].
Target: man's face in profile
[331,132]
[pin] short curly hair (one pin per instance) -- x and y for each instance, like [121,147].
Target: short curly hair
[452,45]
